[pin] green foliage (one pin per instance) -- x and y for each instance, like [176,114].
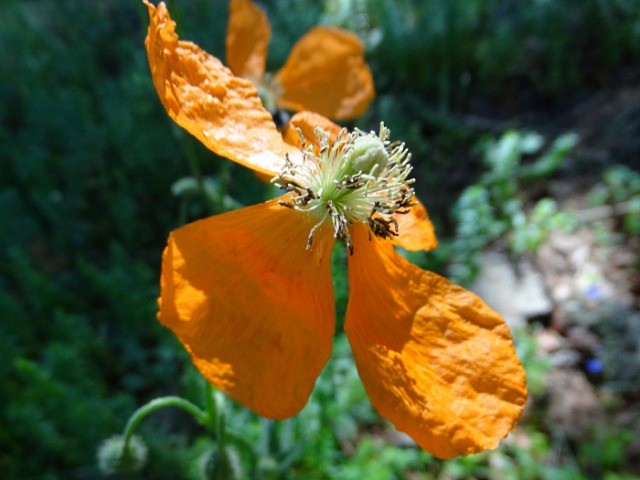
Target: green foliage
[464,46]
[621,192]
[376,460]
[84,198]
[608,450]
[535,366]
[529,233]
[353,15]
[494,206]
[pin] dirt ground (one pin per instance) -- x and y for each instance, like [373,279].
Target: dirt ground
[581,289]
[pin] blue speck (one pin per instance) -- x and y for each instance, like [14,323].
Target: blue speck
[593,366]
[593,291]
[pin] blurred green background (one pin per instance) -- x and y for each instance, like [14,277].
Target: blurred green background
[523,117]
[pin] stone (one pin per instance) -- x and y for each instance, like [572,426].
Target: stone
[515,289]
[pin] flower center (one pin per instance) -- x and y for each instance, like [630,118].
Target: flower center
[361,178]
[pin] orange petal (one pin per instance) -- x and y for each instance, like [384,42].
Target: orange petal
[248,34]
[307,123]
[201,95]
[415,228]
[434,359]
[253,306]
[326,73]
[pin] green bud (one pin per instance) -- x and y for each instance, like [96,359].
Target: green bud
[368,152]
[114,458]
[268,466]
[221,464]
[185,187]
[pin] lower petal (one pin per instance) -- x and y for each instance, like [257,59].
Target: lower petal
[253,306]
[434,359]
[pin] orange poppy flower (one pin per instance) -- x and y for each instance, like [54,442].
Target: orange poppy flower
[325,71]
[249,292]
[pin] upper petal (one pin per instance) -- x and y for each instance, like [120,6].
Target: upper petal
[248,33]
[306,123]
[202,96]
[434,359]
[251,304]
[326,73]
[415,229]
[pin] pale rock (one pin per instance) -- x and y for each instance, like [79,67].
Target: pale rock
[514,289]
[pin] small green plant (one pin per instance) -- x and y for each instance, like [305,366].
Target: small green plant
[495,207]
[619,196]
[535,365]
[607,451]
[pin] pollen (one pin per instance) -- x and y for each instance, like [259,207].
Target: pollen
[360,178]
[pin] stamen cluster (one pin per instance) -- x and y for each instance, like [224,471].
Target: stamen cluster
[360,178]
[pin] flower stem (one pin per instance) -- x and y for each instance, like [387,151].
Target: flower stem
[211,407]
[212,417]
[189,150]
[156,404]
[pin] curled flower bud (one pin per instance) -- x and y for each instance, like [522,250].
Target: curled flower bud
[114,458]
[223,463]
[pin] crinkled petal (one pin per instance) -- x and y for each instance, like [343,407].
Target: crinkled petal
[326,73]
[415,229]
[434,359]
[253,306]
[201,95]
[307,122]
[248,34]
